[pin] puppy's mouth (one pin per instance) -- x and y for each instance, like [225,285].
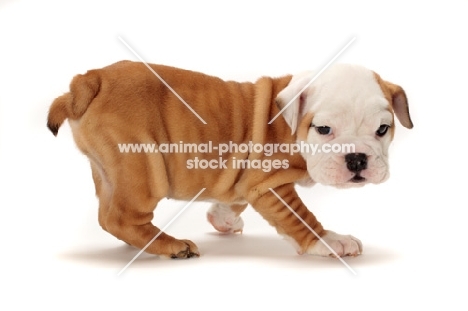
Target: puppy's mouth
[357,179]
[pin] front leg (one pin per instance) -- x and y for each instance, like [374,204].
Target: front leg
[285,211]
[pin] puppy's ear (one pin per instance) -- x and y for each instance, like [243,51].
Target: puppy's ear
[400,104]
[294,97]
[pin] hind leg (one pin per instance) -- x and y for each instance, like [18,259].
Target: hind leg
[130,212]
[129,219]
[226,218]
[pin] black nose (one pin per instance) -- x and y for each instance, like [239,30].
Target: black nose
[356,162]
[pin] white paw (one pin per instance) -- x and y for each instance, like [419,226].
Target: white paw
[342,245]
[224,219]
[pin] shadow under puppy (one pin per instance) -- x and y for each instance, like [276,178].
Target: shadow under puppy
[125,103]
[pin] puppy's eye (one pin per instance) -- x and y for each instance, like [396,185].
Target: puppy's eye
[382,130]
[323,130]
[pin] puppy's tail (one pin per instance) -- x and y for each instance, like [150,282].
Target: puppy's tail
[83,89]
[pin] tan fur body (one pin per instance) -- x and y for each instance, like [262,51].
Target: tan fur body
[126,103]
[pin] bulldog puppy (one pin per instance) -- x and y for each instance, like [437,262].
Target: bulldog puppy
[126,103]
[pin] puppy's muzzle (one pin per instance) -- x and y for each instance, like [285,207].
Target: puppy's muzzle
[356,162]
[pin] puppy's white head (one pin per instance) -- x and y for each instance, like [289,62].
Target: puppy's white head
[347,113]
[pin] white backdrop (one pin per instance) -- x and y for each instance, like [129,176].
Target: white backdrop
[413,227]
